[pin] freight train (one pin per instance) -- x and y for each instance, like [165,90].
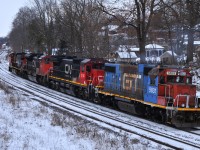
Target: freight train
[161,93]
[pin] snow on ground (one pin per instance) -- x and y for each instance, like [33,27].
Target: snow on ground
[28,124]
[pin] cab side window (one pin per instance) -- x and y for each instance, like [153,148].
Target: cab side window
[88,68]
[152,81]
[47,61]
[162,79]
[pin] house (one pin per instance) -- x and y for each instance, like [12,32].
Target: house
[129,48]
[167,58]
[154,50]
[124,53]
[125,56]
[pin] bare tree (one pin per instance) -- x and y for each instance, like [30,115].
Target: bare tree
[19,34]
[186,14]
[137,14]
[192,18]
[45,10]
[171,22]
[82,20]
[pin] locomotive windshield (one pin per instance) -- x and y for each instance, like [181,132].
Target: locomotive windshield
[179,79]
[98,66]
[175,79]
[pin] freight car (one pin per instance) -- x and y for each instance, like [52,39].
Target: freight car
[161,93]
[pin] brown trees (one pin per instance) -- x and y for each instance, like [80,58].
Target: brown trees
[73,25]
[186,15]
[83,21]
[79,26]
[18,36]
[137,14]
[192,18]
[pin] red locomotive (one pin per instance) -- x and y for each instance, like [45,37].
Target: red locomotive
[80,76]
[176,86]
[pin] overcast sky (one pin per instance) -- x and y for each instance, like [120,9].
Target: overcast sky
[8,10]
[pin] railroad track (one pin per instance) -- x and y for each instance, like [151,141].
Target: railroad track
[75,105]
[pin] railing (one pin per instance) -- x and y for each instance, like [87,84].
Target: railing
[167,95]
[187,102]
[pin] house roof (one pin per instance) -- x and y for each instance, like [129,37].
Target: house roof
[167,54]
[195,43]
[126,55]
[111,27]
[153,46]
[125,48]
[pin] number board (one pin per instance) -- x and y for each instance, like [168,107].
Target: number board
[171,73]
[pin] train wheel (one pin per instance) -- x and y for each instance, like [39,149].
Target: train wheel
[10,69]
[85,94]
[105,100]
[57,86]
[76,92]
[97,100]
[51,85]
[163,117]
[45,81]
[39,80]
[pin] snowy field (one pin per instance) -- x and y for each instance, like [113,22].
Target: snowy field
[28,124]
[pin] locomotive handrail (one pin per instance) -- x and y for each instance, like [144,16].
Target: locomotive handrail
[197,102]
[167,86]
[187,100]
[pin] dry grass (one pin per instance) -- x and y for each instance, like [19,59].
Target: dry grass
[56,119]
[6,138]
[5,88]
[13,101]
[86,129]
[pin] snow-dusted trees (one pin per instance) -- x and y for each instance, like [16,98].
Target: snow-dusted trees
[80,27]
[82,21]
[169,20]
[192,10]
[72,25]
[45,11]
[136,13]
[33,28]
[183,16]
[18,36]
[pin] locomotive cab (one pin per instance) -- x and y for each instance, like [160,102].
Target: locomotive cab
[17,62]
[171,89]
[175,85]
[91,72]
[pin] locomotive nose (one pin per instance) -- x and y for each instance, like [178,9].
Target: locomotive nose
[184,90]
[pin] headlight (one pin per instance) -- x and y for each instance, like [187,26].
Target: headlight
[183,105]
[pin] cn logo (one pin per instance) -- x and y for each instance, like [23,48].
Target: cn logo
[152,90]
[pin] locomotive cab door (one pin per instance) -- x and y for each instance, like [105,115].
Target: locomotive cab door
[151,93]
[85,74]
